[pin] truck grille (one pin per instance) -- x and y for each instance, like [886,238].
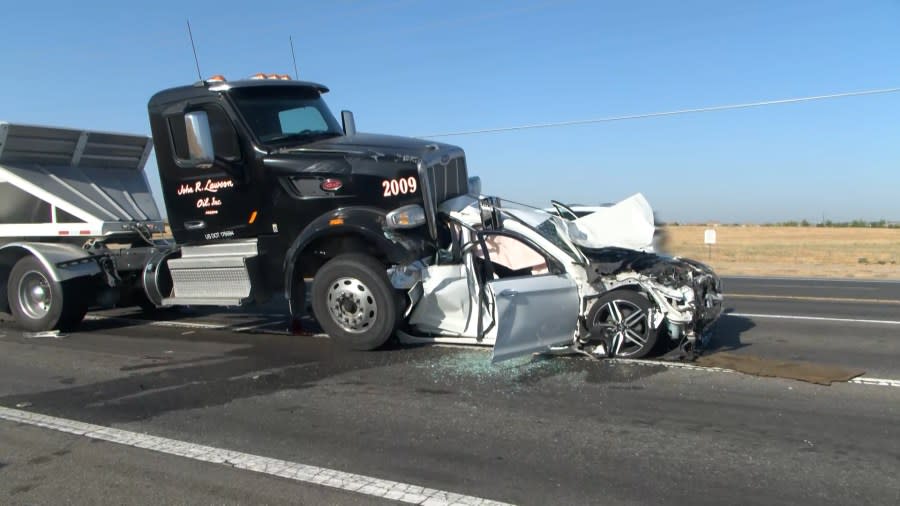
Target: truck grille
[447,181]
[442,181]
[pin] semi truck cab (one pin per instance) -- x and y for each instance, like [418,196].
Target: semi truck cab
[264,188]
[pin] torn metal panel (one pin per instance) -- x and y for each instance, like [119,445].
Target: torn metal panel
[446,304]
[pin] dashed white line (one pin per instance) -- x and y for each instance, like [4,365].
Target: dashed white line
[813,318]
[376,487]
[882,382]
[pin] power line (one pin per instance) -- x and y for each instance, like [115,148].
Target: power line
[668,113]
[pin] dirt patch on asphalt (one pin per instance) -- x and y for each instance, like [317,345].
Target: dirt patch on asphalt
[810,372]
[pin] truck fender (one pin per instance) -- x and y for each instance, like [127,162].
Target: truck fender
[63,262]
[367,223]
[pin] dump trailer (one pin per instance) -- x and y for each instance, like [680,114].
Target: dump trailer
[263,187]
[78,222]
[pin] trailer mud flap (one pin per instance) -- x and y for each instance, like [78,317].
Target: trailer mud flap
[533,313]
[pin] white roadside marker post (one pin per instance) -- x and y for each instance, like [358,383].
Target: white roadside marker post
[709,238]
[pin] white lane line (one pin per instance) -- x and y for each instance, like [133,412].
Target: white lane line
[882,382]
[861,380]
[813,318]
[809,298]
[358,483]
[817,280]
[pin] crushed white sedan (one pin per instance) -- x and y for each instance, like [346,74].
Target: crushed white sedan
[529,281]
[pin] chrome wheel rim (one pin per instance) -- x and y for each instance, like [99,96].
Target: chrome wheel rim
[35,297]
[352,305]
[626,324]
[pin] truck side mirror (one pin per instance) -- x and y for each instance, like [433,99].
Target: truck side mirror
[199,139]
[474,186]
[349,123]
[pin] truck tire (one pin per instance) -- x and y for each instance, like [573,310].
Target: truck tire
[39,303]
[354,302]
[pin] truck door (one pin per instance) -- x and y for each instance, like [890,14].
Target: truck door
[535,302]
[214,203]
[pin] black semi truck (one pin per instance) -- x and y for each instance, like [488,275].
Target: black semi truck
[264,188]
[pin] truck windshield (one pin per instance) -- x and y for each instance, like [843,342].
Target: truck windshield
[277,114]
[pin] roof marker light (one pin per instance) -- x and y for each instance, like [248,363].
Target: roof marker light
[218,78]
[263,75]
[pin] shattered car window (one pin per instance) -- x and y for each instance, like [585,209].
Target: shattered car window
[549,231]
[550,227]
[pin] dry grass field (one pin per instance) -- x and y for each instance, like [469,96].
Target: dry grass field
[867,253]
[870,253]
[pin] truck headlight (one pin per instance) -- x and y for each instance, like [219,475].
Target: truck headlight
[410,216]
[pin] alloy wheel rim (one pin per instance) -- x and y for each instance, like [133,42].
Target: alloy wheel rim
[626,324]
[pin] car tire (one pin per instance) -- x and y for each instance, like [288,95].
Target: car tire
[615,314]
[354,302]
[39,303]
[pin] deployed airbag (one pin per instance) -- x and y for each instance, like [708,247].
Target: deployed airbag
[627,224]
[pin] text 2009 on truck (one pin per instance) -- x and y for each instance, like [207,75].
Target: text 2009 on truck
[264,188]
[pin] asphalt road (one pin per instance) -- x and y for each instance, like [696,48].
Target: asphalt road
[541,431]
[799,287]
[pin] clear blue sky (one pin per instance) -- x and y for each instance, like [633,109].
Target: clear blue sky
[415,68]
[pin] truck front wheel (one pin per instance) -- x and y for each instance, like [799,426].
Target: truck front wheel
[40,303]
[354,302]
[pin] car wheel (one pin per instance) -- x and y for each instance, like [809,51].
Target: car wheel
[621,318]
[38,302]
[354,302]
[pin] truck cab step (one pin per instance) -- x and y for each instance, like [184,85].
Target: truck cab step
[203,301]
[213,273]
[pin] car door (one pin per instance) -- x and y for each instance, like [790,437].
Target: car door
[535,306]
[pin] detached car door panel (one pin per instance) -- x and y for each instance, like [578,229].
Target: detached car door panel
[533,313]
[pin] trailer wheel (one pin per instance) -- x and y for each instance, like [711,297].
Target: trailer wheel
[38,302]
[354,302]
